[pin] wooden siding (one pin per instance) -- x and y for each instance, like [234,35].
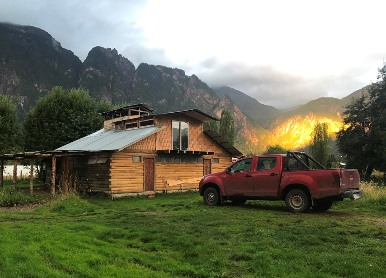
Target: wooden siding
[198,141]
[126,176]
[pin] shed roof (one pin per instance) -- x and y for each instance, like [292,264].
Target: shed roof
[193,113]
[109,140]
[223,143]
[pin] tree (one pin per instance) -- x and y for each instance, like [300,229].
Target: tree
[211,125]
[362,140]
[10,132]
[319,143]
[227,126]
[377,106]
[275,150]
[59,118]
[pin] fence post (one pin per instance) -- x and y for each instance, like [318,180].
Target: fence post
[14,173]
[1,172]
[31,177]
[53,174]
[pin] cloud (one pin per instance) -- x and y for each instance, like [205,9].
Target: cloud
[281,56]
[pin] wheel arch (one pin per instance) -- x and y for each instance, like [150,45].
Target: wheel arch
[290,187]
[210,184]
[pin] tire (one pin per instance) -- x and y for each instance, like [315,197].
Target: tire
[322,205]
[238,202]
[297,200]
[211,196]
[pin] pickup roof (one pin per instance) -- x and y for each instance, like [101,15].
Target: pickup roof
[294,177]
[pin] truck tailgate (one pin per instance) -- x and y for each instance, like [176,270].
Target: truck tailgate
[349,179]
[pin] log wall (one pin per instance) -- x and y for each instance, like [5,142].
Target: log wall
[126,176]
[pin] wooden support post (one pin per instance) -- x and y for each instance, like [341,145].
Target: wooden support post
[53,174]
[31,177]
[14,173]
[1,172]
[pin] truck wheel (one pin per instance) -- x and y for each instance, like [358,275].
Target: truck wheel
[322,205]
[211,196]
[297,200]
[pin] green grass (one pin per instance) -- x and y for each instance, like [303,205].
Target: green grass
[175,235]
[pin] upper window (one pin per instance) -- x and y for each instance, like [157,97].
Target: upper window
[180,135]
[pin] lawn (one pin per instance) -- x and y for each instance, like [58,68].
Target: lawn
[175,235]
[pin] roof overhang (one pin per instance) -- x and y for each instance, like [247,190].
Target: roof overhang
[193,113]
[223,143]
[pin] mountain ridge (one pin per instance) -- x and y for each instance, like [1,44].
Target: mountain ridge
[33,62]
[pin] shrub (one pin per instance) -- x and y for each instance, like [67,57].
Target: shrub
[11,198]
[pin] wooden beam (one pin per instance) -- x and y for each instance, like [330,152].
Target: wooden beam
[14,173]
[1,173]
[53,174]
[31,177]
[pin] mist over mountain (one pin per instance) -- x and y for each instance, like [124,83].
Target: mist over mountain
[32,62]
[260,113]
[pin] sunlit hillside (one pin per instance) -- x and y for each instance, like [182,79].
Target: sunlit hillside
[296,132]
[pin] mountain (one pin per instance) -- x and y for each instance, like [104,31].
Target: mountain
[293,129]
[107,75]
[32,62]
[165,89]
[260,113]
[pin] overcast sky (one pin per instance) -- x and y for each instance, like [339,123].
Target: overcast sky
[283,53]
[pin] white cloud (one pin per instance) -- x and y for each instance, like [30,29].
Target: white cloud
[281,52]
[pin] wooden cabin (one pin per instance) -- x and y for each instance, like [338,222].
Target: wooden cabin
[138,151]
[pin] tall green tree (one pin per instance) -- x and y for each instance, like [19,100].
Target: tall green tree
[10,130]
[211,125]
[354,137]
[61,117]
[275,150]
[319,143]
[227,126]
[377,106]
[362,139]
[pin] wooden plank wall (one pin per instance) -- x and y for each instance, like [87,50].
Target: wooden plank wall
[126,176]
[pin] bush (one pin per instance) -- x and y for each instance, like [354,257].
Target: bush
[11,198]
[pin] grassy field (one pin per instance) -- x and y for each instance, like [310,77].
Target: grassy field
[175,235]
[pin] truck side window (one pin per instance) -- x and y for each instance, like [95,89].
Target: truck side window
[241,166]
[266,163]
[293,164]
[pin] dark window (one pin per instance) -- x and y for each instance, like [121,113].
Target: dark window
[146,123]
[215,160]
[180,135]
[266,163]
[131,125]
[241,166]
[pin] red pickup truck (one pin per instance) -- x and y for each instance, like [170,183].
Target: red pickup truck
[294,177]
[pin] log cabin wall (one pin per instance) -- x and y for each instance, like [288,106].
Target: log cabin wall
[171,171]
[127,168]
[93,173]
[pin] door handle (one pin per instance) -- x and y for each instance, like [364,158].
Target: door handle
[248,175]
[273,174]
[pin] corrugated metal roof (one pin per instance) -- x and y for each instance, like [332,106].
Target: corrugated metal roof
[109,140]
